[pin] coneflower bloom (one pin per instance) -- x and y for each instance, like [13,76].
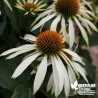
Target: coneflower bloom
[65,14]
[49,46]
[30,6]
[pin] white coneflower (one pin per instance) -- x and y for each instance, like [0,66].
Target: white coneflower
[30,6]
[49,46]
[66,13]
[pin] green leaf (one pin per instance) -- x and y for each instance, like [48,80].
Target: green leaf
[2,27]
[6,93]
[23,91]
[90,70]
[7,67]
[88,66]
[11,14]
[94,39]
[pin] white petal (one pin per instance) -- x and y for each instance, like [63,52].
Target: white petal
[61,72]
[91,25]
[85,15]
[33,72]
[39,7]
[88,12]
[87,22]
[86,25]
[53,89]
[40,2]
[81,70]
[88,29]
[40,75]
[19,7]
[51,7]
[26,13]
[23,47]
[31,1]
[43,21]
[30,55]
[7,3]
[25,63]
[82,31]
[65,78]
[71,33]
[29,37]
[41,15]
[88,4]
[63,27]
[71,75]
[50,83]
[56,76]
[55,23]
[19,2]
[18,53]
[75,56]
[70,64]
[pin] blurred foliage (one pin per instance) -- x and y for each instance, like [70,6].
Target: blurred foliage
[13,25]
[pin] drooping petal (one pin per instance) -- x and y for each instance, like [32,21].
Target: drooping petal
[70,63]
[65,77]
[85,15]
[75,56]
[56,76]
[55,23]
[50,83]
[88,4]
[88,12]
[71,33]
[63,28]
[90,24]
[40,75]
[61,72]
[25,63]
[71,75]
[80,70]
[82,31]
[53,89]
[85,21]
